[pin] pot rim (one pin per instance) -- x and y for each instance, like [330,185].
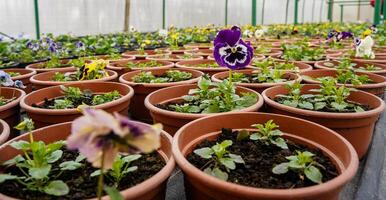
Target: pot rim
[30,72]
[183,65]
[157,110]
[34,110]
[319,114]
[122,78]
[164,64]
[34,66]
[5,133]
[134,191]
[15,102]
[336,182]
[156,58]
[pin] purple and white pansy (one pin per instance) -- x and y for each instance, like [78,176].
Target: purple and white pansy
[230,50]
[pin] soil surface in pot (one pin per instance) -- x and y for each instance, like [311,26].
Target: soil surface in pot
[254,78]
[259,160]
[81,184]
[167,77]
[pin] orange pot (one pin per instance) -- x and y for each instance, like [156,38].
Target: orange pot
[201,52]
[357,128]
[199,45]
[121,66]
[172,121]
[40,67]
[44,117]
[25,75]
[258,87]
[141,90]
[301,66]
[173,58]
[139,56]
[4,131]
[192,64]
[153,188]
[200,185]
[10,112]
[377,88]
[44,80]
[322,65]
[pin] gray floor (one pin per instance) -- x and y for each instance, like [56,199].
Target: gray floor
[368,184]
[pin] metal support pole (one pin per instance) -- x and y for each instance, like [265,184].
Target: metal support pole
[384,10]
[341,13]
[226,12]
[329,12]
[37,24]
[377,12]
[163,13]
[296,12]
[253,12]
[286,11]
[262,12]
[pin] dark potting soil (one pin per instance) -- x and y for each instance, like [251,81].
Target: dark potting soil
[259,161]
[81,185]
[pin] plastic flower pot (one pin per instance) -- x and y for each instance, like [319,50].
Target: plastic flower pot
[10,112]
[256,57]
[312,63]
[121,66]
[153,188]
[194,64]
[357,128]
[206,45]
[43,80]
[108,58]
[40,67]
[377,88]
[332,64]
[44,117]
[25,75]
[171,120]
[258,87]
[181,50]
[141,90]
[173,58]
[201,52]
[141,56]
[200,185]
[379,58]
[302,67]
[4,131]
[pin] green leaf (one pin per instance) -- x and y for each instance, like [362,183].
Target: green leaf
[319,105]
[54,156]
[14,160]
[130,169]
[56,188]
[306,105]
[228,163]
[113,193]
[281,168]
[255,136]
[131,158]
[194,109]
[79,158]
[358,109]
[69,165]
[295,165]
[280,142]
[242,134]
[338,106]
[205,152]
[5,177]
[39,172]
[20,145]
[216,172]
[226,143]
[236,158]
[313,174]
[96,173]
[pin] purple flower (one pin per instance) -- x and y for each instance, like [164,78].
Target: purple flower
[230,50]
[53,47]
[344,35]
[332,34]
[79,44]
[373,28]
[357,41]
[19,84]
[1,38]
[5,79]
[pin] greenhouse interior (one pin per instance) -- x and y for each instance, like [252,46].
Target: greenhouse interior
[192,100]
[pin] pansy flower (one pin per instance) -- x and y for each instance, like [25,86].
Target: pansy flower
[99,136]
[19,84]
[230,50]
[5,79]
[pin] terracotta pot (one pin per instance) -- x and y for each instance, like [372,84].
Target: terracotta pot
[322,65]
[258,87]
[10,112]
[377,88]
[193,65]
[357,128]
[181,50]
[120,66]
[153,188]
[199,45]
[256,57]
[25,75]
[108,58]
[200,185]
[139,56]
[43,80]
[4,131]
[301,66]
[173,58]
[44,117]
[40,67]
[201,52]
[312,63]
[141,90]
[172,121]
[381,59]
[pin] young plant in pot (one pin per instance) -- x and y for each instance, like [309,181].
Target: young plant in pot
[174,57]
[148,81]
[141,53]
[372,83]
[302,52]
[61,103]
[178,105]
[11,92]
[262,156]
[349,112]
[103,154]
[209,67]
[90,72]
[122,67]
[259,80]
[294,67]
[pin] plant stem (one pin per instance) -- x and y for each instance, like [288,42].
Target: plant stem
[31,137]
[100,180]
[230,76]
